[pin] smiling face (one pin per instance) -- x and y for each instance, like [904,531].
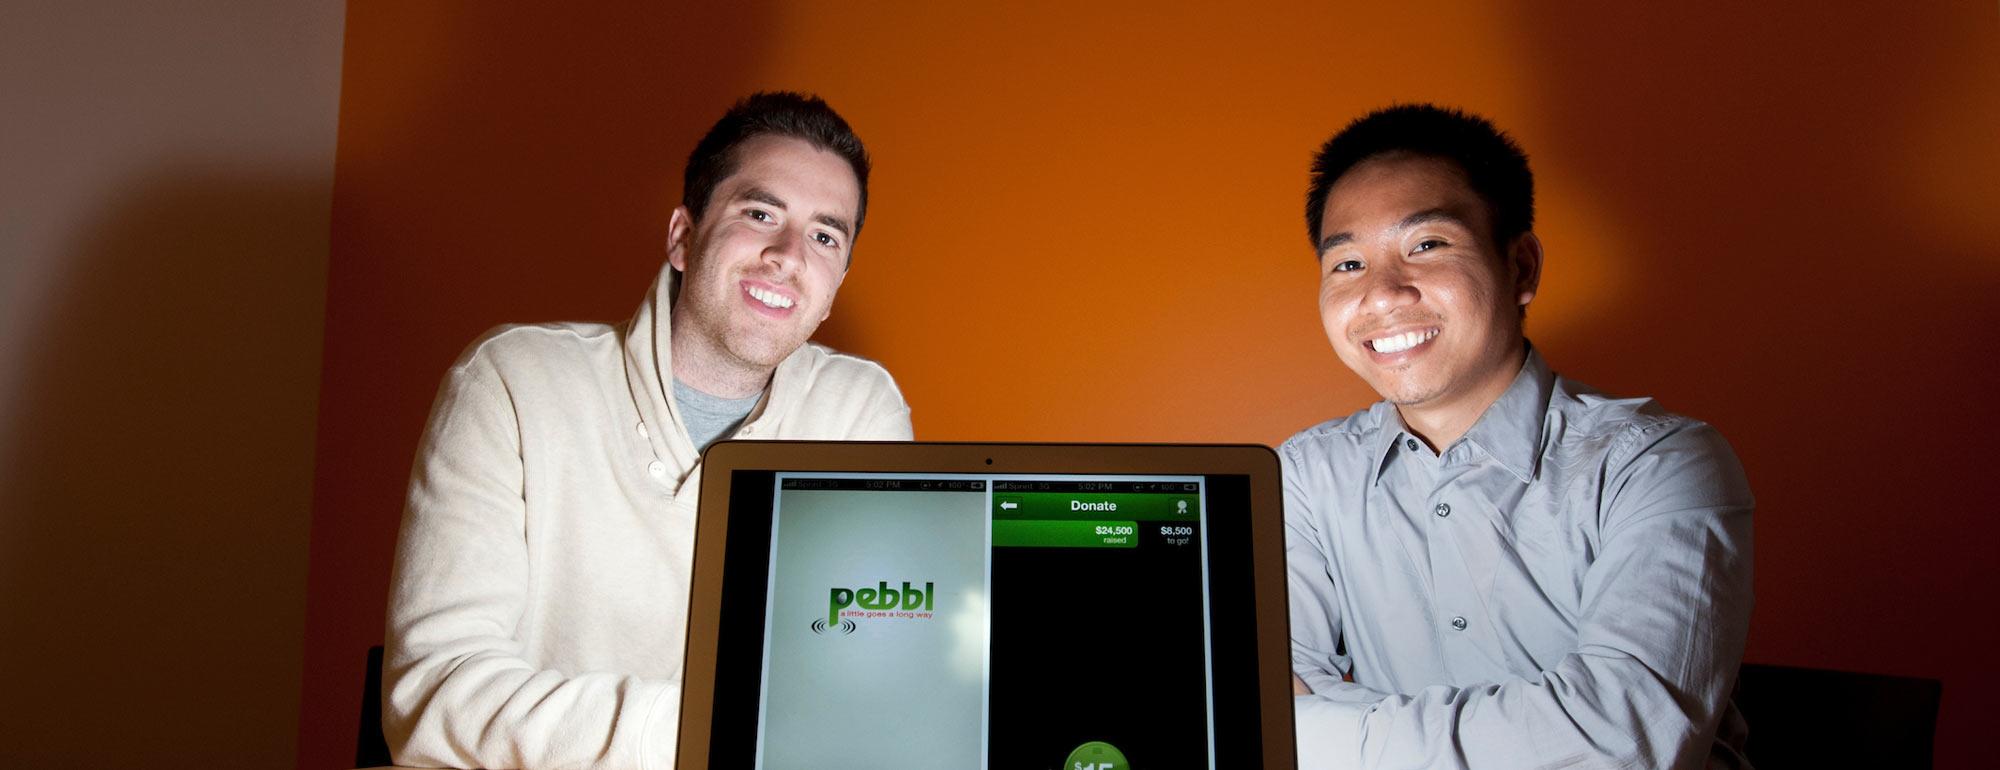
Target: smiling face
[1415,296]
[762,266]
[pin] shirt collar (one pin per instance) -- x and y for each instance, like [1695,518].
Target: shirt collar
[1389,437]
[1509,431]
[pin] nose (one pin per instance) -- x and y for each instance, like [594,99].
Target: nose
[786,249]
[1387,286]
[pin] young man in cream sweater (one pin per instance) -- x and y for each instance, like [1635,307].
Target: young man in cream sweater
[536,614]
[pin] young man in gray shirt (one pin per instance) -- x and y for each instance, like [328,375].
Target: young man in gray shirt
[1495,566]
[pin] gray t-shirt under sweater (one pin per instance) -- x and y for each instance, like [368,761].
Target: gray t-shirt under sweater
[709,418]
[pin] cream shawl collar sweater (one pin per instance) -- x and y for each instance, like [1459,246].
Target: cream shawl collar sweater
[537,607]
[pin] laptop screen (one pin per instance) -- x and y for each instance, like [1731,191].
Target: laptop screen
[1082,622]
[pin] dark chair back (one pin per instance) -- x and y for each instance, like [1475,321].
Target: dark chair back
[1809,717]
[371,749]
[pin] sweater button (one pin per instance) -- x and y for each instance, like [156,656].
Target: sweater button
[656,468]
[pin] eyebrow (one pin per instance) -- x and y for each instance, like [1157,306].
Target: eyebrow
[834,222]
[1427,216]
[765,197]
[760,195]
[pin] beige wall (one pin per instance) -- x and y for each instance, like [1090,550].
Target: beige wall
[165,182]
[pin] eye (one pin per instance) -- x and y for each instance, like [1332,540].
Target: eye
[826,240]
[1430,243]
[1345,266]
[759,215]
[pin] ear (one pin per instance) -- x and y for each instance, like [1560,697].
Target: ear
[1525,256]
[680,234]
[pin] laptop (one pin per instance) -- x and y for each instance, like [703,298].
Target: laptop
[926,605]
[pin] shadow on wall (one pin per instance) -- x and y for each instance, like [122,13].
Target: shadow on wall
[1807,194]
[158,491]
[464,130]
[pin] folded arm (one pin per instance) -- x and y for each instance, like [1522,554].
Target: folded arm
[1666,606]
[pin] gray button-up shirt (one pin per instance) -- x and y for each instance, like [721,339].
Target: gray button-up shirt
[1568,585]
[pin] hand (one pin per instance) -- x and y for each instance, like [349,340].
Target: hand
[1299,686]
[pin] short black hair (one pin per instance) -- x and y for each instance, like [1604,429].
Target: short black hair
[1494,166]
[776,113]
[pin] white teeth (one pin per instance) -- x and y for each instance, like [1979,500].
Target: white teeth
[1402,342]
[770,298]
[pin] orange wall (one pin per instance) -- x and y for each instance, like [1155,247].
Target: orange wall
[1086,225]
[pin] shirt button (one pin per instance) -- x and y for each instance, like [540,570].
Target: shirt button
[1458,623]
[642,431]
[1442,510]
[1410,444]
[656,468]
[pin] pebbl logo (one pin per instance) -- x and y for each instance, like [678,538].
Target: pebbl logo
[845,605]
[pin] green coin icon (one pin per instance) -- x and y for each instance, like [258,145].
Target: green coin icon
[1096,755]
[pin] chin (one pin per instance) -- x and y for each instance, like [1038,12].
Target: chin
[1407,393]
[760,358]
[766,353]
[1408,399]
